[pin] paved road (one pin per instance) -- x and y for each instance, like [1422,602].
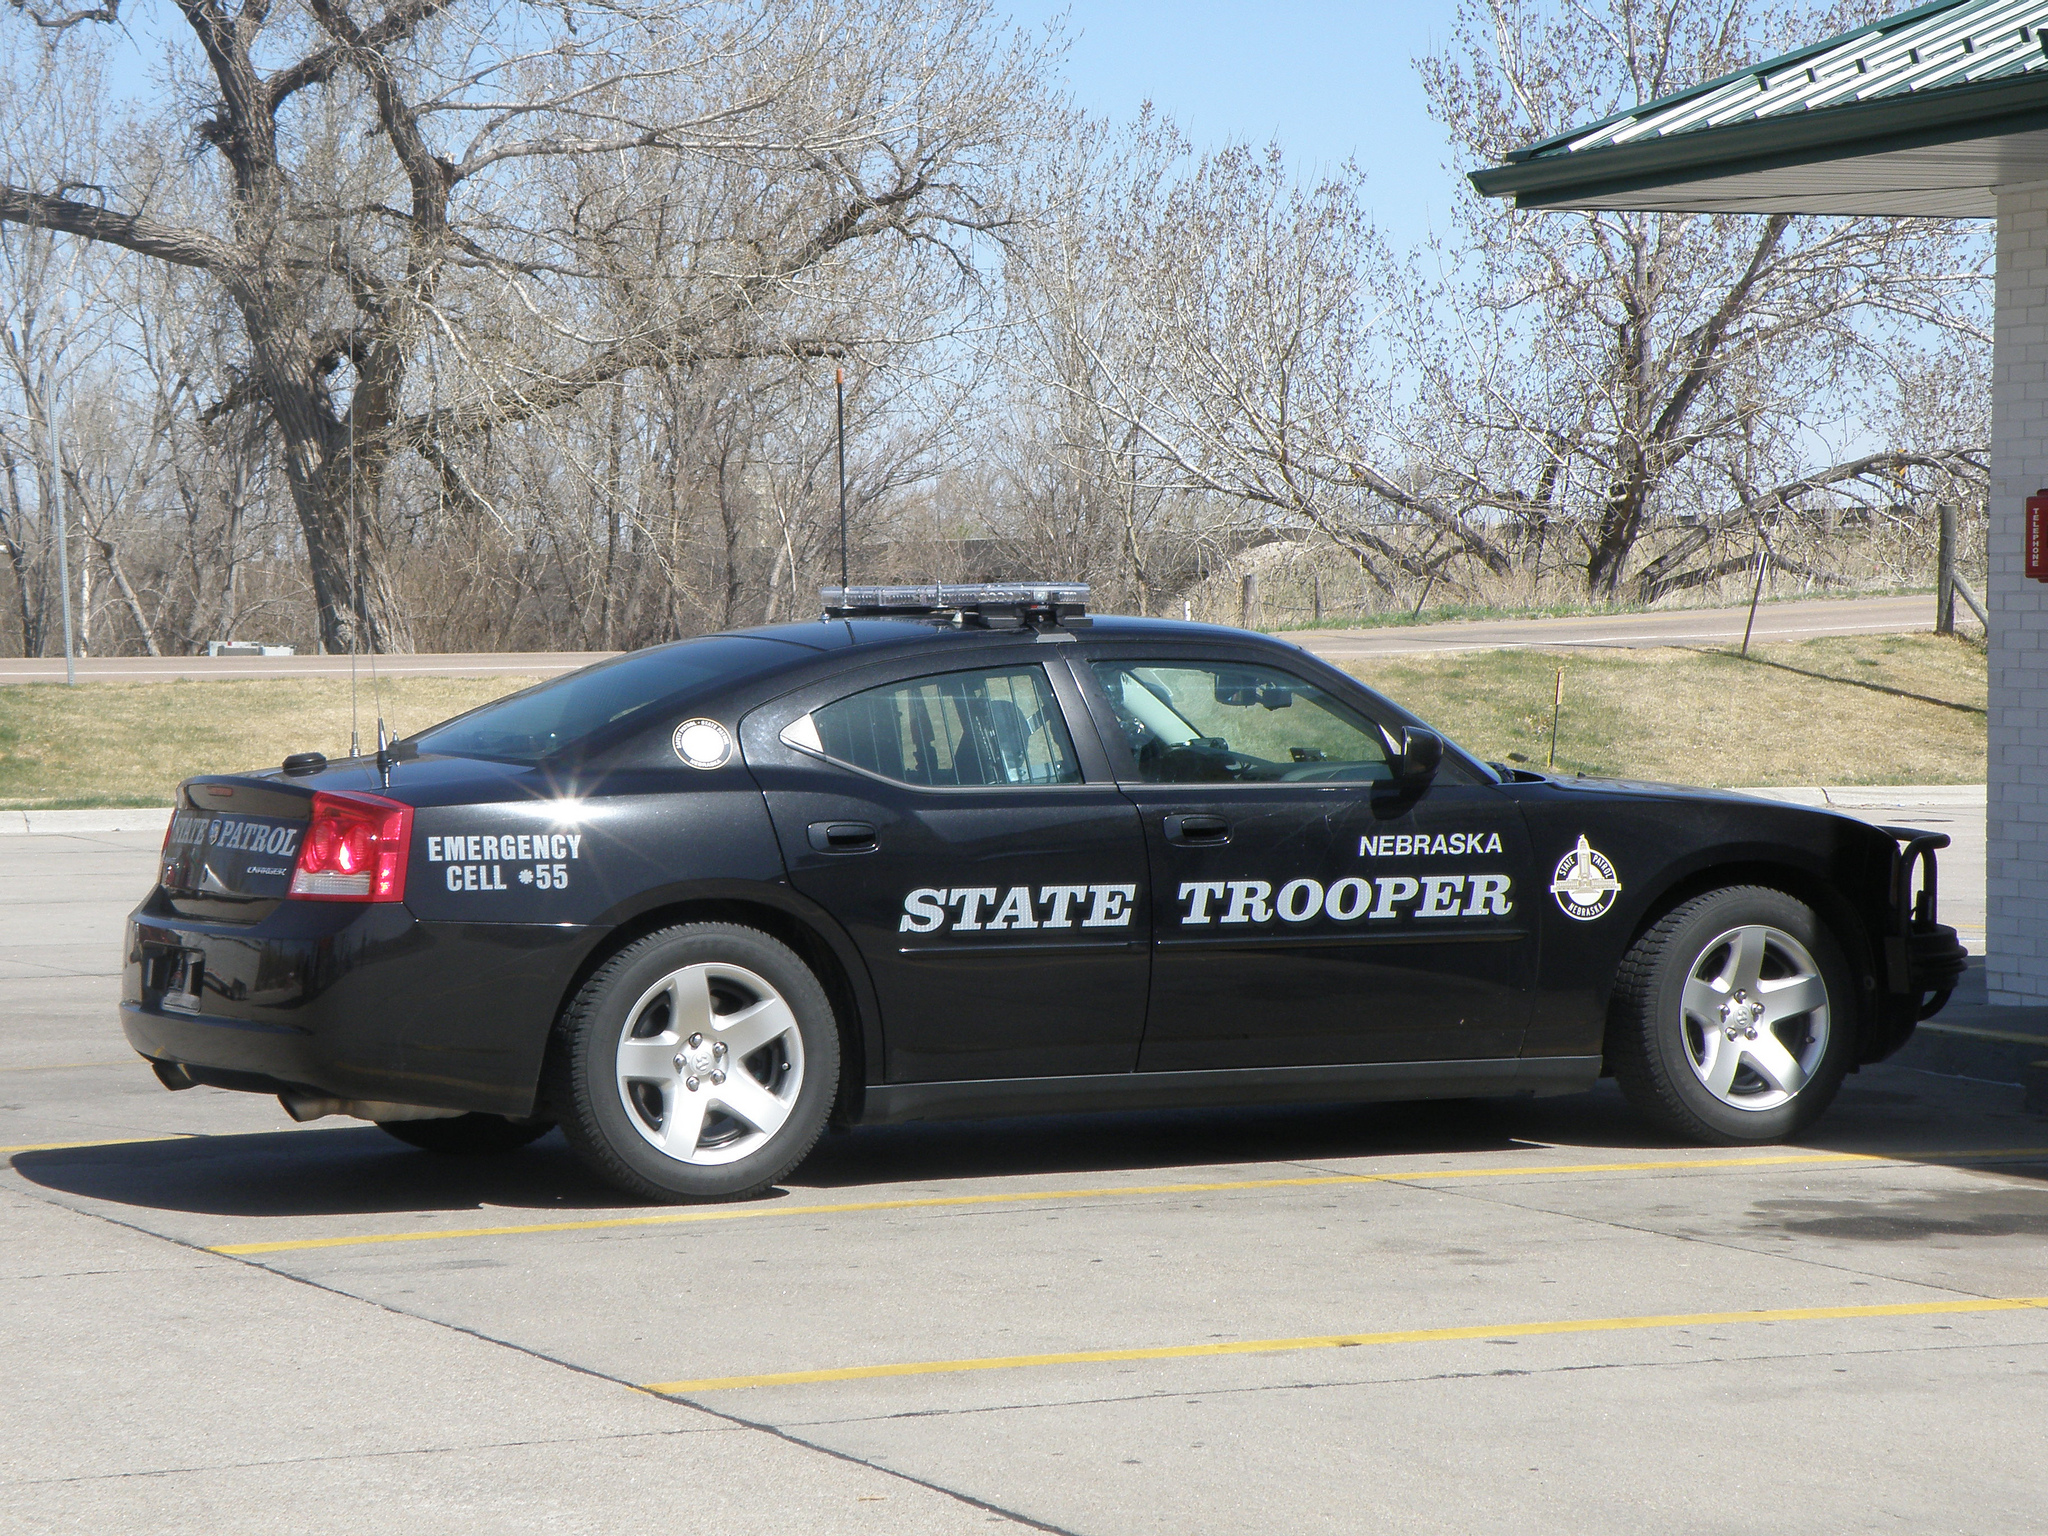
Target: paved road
[1706,626]
[1689,626]
[1518,1316]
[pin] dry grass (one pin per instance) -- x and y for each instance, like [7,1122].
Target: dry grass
[1882,709]
[1887,709]
[130,743]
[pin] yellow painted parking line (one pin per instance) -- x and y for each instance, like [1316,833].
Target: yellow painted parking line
[1348,1341]
[64,1066]
[118,1141]
[1024,1197]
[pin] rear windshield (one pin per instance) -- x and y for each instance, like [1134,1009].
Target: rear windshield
[585,706]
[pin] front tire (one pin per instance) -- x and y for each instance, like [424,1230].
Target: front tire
[698,1063]
[1733,1018]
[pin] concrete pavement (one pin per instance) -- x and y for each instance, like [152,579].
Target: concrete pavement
[1523,1316]
[1685,626]
[1804,620]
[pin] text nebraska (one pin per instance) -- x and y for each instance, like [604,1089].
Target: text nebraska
[1411,845]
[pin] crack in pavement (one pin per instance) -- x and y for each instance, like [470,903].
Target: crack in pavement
[971,1501]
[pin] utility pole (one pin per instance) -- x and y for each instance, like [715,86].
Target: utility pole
[56,489]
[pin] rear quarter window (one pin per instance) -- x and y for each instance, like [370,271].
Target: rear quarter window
[600,704]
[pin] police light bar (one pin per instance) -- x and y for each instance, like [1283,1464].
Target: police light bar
[994,605]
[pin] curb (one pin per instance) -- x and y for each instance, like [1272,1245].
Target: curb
[148,818]
[1876,796]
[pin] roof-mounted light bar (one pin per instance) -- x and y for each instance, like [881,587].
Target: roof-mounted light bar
[992,605]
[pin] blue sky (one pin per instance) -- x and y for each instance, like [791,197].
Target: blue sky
[1327,80]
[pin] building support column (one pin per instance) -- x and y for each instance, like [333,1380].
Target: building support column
[2016,936]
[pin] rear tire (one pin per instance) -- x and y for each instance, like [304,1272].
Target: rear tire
[1733,1018]
[467,1135]
[699,1063]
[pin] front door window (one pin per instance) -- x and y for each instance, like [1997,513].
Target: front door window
[1227,723]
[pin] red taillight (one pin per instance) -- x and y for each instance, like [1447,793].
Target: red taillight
[354,849]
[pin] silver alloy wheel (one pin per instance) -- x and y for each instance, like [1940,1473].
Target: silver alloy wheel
[1755,1017]
[710,1062]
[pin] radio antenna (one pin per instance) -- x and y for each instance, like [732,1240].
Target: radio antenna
[839,387]
[355,737]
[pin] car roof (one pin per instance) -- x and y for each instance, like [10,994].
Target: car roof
[876,634]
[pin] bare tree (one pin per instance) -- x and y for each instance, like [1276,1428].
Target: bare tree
[455,216]
[1614,374]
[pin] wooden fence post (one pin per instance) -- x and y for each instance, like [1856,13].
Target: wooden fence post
[1248,608]
[1945,570]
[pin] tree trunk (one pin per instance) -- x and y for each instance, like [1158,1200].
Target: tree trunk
[333,482]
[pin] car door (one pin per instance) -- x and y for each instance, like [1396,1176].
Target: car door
[996,887]
[1307,909]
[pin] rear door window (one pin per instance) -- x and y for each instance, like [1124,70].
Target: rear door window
[955,730]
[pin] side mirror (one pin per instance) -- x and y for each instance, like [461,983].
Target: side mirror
[1415,755]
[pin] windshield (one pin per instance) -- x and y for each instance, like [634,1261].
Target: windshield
[569,711]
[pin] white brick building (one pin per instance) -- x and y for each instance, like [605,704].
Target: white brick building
[1941,111]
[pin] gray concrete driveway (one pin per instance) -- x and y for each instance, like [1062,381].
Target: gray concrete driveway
[1688,626]
[1504,1316]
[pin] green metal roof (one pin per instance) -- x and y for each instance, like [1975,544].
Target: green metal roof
[1921,113]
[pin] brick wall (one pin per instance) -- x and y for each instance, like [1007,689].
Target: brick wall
[2016,938]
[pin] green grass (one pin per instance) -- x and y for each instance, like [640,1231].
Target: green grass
[114,744]
[1881,709]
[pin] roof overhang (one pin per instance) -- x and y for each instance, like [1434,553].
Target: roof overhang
[1936,154]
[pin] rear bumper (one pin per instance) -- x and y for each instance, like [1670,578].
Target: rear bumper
[354,1002]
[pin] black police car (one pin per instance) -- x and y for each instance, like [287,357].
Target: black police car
[965,851]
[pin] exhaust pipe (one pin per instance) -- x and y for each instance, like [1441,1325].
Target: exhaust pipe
[305,1106]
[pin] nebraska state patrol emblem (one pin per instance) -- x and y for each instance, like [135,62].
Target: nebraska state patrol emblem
[1584,883]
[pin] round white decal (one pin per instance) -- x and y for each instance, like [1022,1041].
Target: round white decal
[703,743]
[1584,883]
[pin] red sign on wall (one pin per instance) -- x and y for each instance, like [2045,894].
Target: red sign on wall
[2037,535]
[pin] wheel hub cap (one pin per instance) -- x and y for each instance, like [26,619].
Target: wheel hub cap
[710,1062]
[1739,1017]
[1754,1017]
[701,1059]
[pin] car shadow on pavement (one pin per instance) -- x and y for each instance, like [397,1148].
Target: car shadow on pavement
[352,1171]
[360,1171]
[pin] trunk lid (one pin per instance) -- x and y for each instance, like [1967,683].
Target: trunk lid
[232,842]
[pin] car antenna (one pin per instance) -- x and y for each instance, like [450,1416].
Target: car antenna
[839,388]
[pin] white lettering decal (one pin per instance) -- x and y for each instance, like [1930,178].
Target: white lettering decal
[454,877]
[1112,908]
[1015,912]
[1393,888]
[1348,899]
[1248,902]
[433,850]
[1489,896]
[1201,893]
[1062,898]
[575,844]
[1440,895]
[923,910]
[1299,900]
[1404,845]
[969,902]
